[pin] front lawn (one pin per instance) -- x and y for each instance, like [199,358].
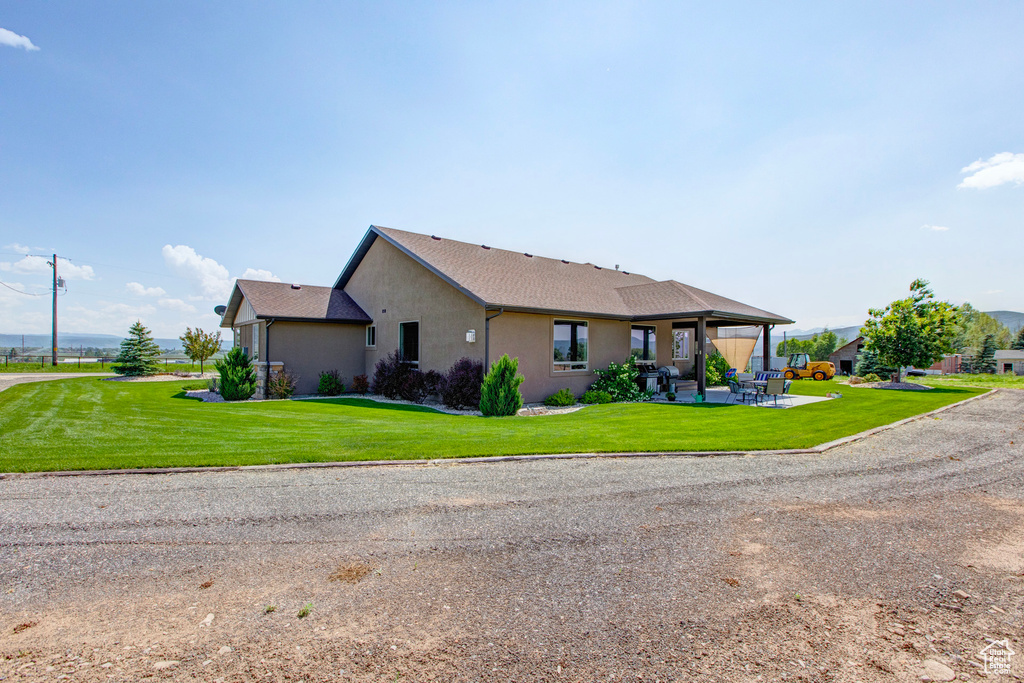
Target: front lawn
[1005,381]
[89,423]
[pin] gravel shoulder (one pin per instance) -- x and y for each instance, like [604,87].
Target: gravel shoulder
[858,564]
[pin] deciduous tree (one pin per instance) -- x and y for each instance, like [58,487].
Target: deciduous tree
[199,345]
[917,331]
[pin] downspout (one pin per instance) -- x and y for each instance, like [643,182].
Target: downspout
[487,338]
[266,346]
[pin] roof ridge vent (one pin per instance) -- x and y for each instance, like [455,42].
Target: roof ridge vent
[598,267]
[527,255]
[564,261]
[435,237]
[296,286]
[484,246]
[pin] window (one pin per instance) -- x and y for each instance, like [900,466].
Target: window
[409,343]
[255,341]
[642,344]
[570,345]
[681,344]
[371,335]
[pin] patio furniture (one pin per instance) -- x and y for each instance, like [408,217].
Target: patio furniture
[737,393]
[775,387]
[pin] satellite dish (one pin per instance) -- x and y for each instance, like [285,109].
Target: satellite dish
[219,310]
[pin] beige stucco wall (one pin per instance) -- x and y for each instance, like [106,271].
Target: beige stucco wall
[393,288]
[530,337]
[307,349]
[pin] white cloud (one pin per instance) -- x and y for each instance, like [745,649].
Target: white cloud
[14,40]
[994,291]
[209,278]
[34,265]
[998,169]
[140,290]
[258,274]
[176,305]
[19,248]
[935,228]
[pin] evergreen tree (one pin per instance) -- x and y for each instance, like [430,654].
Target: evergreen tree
[138,353]
[199,345]
[237,376]
[499,394]
[868,364]
[985,360]
[1018,343]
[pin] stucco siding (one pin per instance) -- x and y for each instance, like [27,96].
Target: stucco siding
[530,338]
[307,349]
[393,288]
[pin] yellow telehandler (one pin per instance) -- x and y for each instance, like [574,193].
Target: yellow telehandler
[802,367]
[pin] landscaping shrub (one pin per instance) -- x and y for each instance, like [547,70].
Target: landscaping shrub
[619,381]
[432,382]
[561,398]
[360,384]
[281,385]
[413,387]
[461,386]
[596,396]
[237,376]
[330,383]
[389,375]
[717,366]
[211,385]
[872,377]
[499,393]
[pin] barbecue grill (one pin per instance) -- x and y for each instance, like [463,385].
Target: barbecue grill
[648,378]
[667,376]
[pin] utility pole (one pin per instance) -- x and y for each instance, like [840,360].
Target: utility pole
[54,266]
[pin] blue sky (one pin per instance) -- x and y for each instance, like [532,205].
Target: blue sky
[811,159]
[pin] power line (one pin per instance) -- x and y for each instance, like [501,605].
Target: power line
[19,291]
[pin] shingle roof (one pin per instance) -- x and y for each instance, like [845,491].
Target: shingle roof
[497,277]
[282,300]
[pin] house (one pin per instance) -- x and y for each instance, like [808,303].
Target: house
[436,300]
[1010,362]
[845,357]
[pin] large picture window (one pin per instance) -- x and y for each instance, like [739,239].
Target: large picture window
[681,344]
[642,344]
[570,345]
[409,343]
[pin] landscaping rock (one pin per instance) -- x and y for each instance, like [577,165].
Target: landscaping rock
[225,650]
[166,664]
[932,670]
[208,621]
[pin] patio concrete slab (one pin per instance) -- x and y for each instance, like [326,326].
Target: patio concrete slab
[722,394]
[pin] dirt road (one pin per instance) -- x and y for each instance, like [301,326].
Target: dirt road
[861,564]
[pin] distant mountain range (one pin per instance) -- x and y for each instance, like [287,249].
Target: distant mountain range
[1011,319]
[75,340]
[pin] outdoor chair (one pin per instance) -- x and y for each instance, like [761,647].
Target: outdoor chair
[736,393]
[776,387]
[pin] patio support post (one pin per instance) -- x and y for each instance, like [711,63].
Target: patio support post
[698,356]
[767,348]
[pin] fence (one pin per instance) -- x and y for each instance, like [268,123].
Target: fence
[44,361]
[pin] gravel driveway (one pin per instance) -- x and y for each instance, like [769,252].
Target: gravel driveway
[859,564]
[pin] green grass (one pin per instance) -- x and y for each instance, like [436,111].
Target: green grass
[983,381]
[93,367]
[88,423]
